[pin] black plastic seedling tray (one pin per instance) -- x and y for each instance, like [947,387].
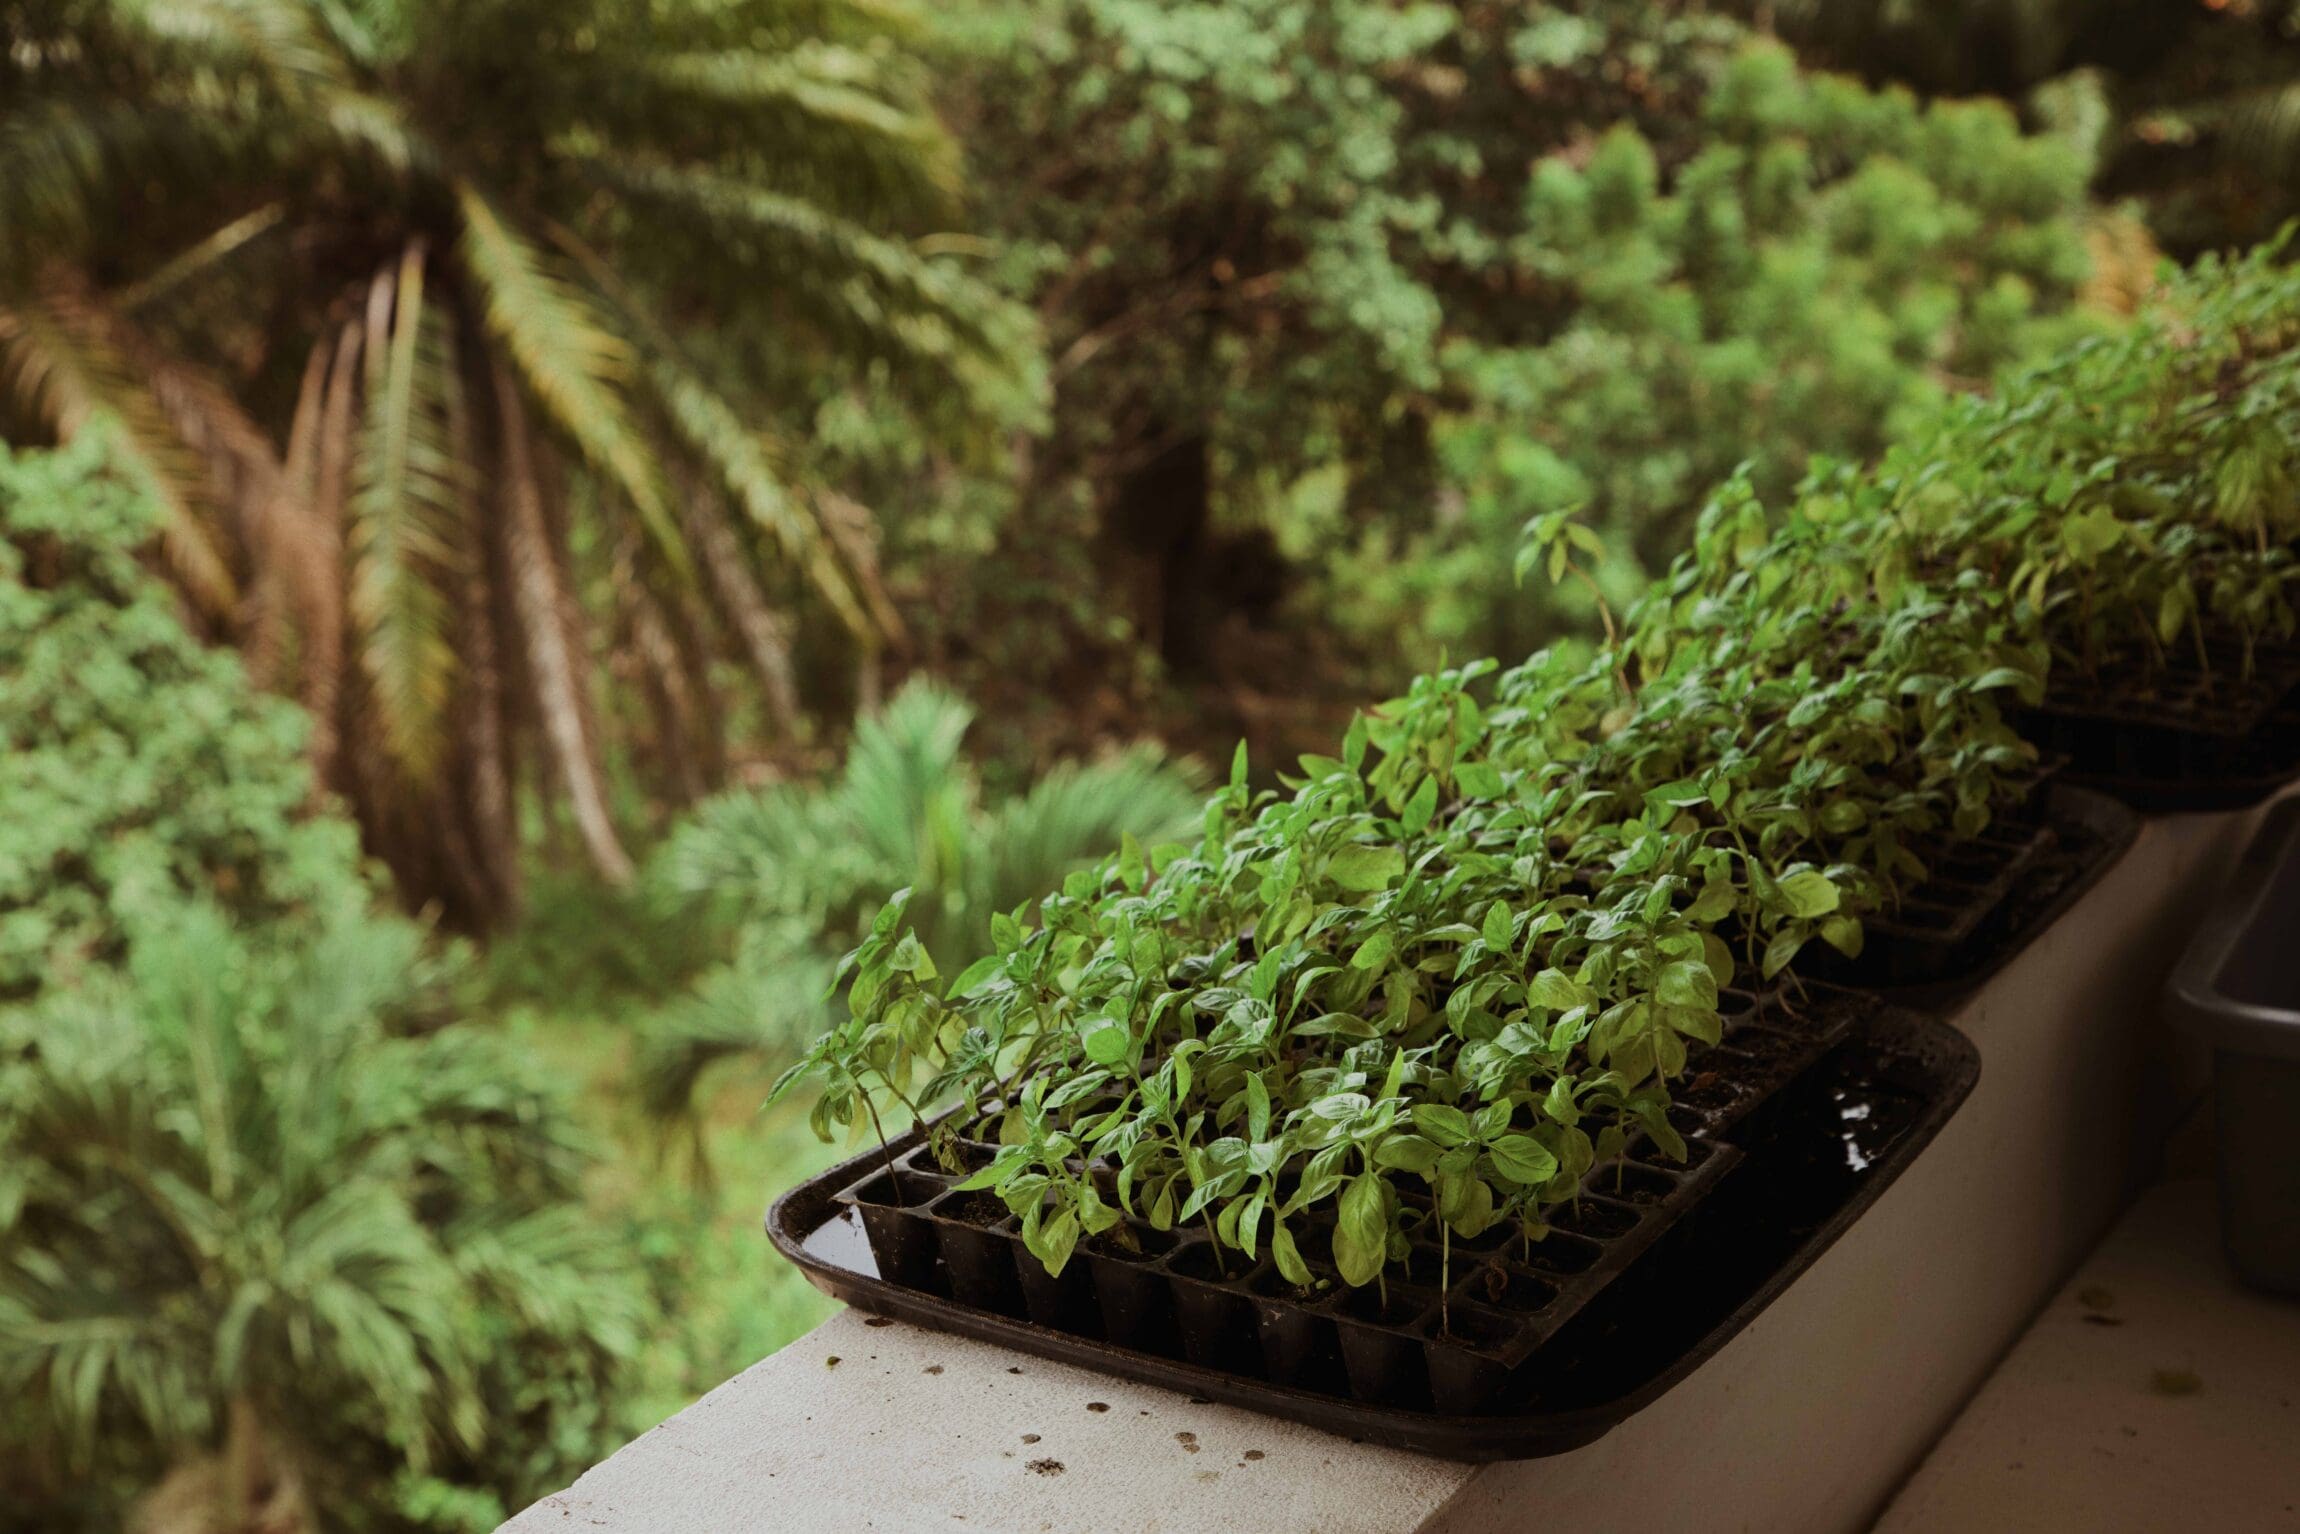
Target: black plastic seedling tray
[2188,740]
[1997,894]
[1849,1074]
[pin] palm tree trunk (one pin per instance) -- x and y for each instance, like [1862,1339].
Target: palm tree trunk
[662,679]
[541,608]
[765,633]
[330,480]
[485,745]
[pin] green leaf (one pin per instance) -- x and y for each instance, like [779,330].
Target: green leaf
[1420,807]
[1555,989]
[1287,1256]
[1688,983]
[1365,869]
[1257,1108]
[1523,1160]
[1106,1041]
[1478,780]
[1782,951]
[1374,952]
[1809,894]
[1446,1125]
[1361,1230]
[1406,1153]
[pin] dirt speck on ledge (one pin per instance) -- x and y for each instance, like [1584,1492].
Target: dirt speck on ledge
[1045,1467]
[1188,1441]
[1098,1406]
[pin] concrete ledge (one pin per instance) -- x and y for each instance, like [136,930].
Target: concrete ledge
[913,1429]
[1807,1421]
[2155,1392]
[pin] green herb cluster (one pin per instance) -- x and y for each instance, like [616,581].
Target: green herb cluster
[1463,959]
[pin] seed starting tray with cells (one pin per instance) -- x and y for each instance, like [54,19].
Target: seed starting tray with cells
[2189,740]
[1449,1353]
[1985,898]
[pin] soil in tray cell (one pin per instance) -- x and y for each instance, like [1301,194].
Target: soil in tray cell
[1382,1345]
[1508,1287]
[1560,1253]
[978,1248]
[1634,1184]
[1595,1218]
[1214,1310]
[1299,1345]
[902,1242]
[1756,1047]
[1136,1298]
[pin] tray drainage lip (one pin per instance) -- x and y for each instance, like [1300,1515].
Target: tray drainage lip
[853,1193]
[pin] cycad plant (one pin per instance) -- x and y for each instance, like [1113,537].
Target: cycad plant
[290,1266]
[801,869]
[399,302]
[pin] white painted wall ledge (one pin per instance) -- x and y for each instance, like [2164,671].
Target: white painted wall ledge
[1804,1424]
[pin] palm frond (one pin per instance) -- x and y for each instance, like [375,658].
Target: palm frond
[874,286]
[274,38]
[906,792]
[576,367]
[538,597]
[60,362]
[764,632]
[407,516]
[712,430]
[1078,812]
[773,852]
[766,1004]
[2260,127]
[843,134]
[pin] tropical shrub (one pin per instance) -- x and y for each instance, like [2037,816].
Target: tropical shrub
[401,305]
[1814,279]
[1467,956]
[2192,106]
[1338,295]
[139,769]
[270,1253]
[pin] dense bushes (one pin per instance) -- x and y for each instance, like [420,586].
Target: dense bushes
[1338,296]
[138,767]
[1470,953]
[278,1238]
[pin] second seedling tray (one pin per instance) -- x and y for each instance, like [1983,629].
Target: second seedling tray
[2190,741]
[1986,902]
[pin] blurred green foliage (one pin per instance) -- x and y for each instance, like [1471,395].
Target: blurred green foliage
[275,1232]
[1337,295]
[138,767]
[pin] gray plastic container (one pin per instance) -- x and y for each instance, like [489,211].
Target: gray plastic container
[2238,989]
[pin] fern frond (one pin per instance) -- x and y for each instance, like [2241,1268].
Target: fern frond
[571,362]
[408,515]
[906,792]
